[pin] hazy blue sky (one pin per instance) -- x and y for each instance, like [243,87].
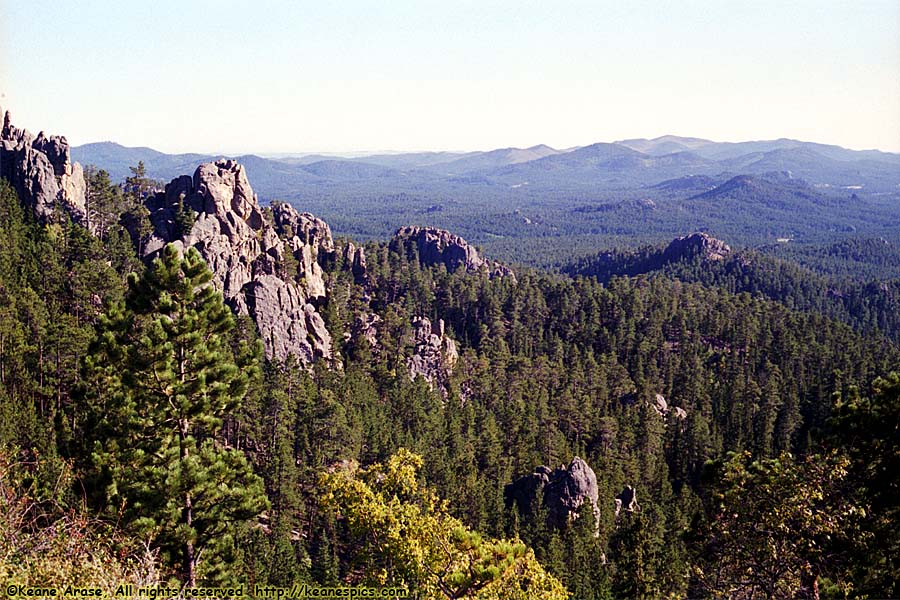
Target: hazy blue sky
[290,76]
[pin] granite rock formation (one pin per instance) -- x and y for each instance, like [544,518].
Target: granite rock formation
[306,237]
[265,268]
[565,491]
[660,405]
[678,413]
[435,353]
[662,408]
[436,246]
[41,172]
[355,261]
[627,500]
[703,245]
[365,327]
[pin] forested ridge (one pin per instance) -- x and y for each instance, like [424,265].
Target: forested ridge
[146,437]
[869,304]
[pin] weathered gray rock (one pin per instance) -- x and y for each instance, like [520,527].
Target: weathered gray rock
[660,405]
[355,260]
[565,491]
[311,230]
[566,494]
[307,237]
[41,172]
[436,246]
[228,219]
[287,324]
[365,327]
[667,412]
[435,354]
[73,188]
[247,255]
[698,244]
[627,500]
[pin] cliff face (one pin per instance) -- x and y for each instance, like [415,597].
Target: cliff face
[266,267]
[41,172]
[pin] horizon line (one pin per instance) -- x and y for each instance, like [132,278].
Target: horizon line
[358,153]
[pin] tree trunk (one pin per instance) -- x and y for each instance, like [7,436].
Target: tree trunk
[190,561]
[190,558]
[809,584]
[187,514]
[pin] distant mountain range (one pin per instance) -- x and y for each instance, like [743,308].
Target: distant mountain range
[624,164]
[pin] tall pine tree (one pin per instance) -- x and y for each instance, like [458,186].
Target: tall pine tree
[161,377]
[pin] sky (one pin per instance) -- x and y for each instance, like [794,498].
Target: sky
[403,75]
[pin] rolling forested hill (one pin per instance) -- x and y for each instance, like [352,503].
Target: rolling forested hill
[869,305]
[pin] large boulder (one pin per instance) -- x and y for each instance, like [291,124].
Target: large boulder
[249,255]
[565,491]
[436,246]
[40,170]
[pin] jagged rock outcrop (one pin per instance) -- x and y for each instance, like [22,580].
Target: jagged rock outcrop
[627,500]
[435,354]
[436,246]
[306,236]
[365,327]
[267,270]
[40,170]
[662,408]
[565,491]
[355,260]
[660,405]
[697,244]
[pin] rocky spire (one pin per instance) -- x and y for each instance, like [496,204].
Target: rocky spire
[435,354]
[41,172]
[265,268]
